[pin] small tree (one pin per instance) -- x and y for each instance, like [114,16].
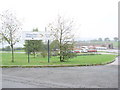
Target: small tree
[61,31]
[67,54]
[116,38]
[10,29]
[107,39]
[43,54]
[35,30]
[33,46]
[99,39]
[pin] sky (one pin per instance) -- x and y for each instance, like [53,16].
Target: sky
[93,18]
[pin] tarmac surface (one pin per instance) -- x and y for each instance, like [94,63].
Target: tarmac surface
[105,76]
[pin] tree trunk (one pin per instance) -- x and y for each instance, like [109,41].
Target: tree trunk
[34,54]
[12,53]
[60,54]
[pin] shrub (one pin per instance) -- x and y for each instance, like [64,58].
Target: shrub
[44,54]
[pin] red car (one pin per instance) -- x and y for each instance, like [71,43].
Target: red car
[92,50]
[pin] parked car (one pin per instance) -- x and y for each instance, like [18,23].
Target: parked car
[71,52]
[101,48]
[77,51]
[84,50]
[92,50]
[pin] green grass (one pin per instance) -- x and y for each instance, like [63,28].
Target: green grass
[21,59]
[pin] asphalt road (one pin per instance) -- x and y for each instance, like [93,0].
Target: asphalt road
[62,77]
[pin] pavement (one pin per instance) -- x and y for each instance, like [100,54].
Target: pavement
[105,76]
[116,62]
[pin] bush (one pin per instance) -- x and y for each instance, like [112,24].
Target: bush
[68,55]
[44,54]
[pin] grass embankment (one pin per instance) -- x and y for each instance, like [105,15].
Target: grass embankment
[21,59]
[115,43]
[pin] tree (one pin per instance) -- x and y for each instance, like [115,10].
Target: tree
[67,51]
[99,39]
[107,39]
[61,31]
[116,38]
[10,29]
[33,46]
[35,30]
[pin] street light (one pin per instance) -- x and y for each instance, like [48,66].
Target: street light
[48,52]
[47,36]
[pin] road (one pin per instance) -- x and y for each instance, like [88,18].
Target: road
[105,76]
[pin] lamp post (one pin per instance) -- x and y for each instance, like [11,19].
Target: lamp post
[48,52]
[28,53]
[47,36]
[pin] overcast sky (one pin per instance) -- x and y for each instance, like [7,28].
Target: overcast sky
[93,18]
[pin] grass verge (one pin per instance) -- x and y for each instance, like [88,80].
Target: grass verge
[87,60]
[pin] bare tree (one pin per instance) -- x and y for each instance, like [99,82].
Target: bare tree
[61,31]
[10,27]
